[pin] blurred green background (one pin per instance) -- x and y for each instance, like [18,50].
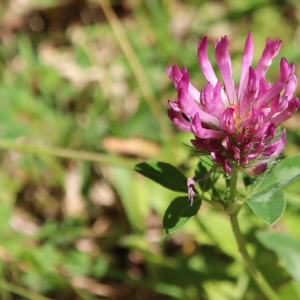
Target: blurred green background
[90,76]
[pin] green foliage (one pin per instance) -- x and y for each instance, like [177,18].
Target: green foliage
[266,200]
[282,174]
[268,206]
[165,174]
[179,213]
[287,249]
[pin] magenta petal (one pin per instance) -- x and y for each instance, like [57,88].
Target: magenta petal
[194,93]
[226,143]
[247,61]
[204,133]
[187,105]
[288,112]
[246,160]
[224,62]
[279,85]
[250,93]
[283,104]
[217,157]
[278,105]
[221,160]
[174,74]
[206,144]
[178,120]
[255,123]
[241,138]
[218,97]
[174,105]
[271,148]
[227,121]
[248,147]
[205,63]
[258,147]
[198,143]
[181,79]
[291,87]
[270,133]
[208,102]
[227,167]
[264,86]
[270,52]
[281,144]
[184,70]
[252,85]
[255,171]
[236,153]
[184,81]
[208,92]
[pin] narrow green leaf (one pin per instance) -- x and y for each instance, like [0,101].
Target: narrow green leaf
[268,206]
[179,213]
[282,174]
[286,248]
[165,174]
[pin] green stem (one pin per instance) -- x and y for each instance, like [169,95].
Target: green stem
[233,211]
[67,153]
[256,275]
[232,188]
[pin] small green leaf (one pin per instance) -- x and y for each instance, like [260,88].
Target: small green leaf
[179,213]
[268,206]
[282,174]
[165,174]
[286,248]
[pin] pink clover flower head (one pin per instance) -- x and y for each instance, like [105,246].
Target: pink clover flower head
[236,124]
